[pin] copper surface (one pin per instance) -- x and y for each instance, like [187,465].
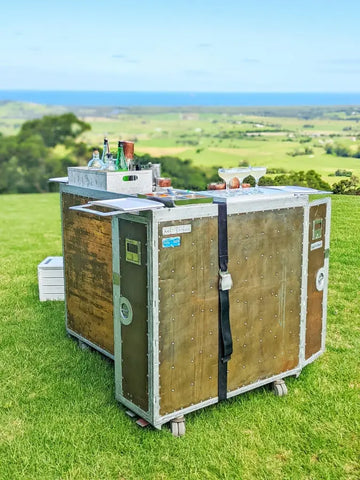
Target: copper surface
[265,257]
[88,273]
[188,315]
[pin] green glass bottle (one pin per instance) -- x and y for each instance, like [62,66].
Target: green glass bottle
[120,158]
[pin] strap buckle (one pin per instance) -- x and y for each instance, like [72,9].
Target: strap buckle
[225,281]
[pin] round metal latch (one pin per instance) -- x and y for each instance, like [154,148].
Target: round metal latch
[320,279]
[126,312]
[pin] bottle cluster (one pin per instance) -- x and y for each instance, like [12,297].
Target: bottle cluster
[123,161]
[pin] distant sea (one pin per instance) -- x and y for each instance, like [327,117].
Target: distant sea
[178,99]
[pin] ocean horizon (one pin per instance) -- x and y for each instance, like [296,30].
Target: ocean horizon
[180,99]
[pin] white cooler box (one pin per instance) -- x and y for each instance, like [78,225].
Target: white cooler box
[51,279]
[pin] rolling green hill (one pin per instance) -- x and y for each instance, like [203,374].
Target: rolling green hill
[218,136]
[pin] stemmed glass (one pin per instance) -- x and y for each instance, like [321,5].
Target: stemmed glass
[228,173]
[241,174]
[257,173]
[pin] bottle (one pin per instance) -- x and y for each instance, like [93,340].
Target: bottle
[110,163]
[105,151]
[120,158]
[95,162]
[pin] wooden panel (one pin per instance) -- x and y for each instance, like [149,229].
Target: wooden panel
[88,273]
[315,298]
[265,261]
[188,342]
[134,348]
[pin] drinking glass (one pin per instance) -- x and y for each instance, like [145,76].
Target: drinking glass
[226,174]
[257,173]
[240,174]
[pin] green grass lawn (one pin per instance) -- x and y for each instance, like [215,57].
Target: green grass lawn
[59,418]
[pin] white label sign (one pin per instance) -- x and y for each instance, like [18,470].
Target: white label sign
[176,229]
[316,245]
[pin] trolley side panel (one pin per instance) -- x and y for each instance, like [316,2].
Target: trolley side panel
[134,336]
[188,330]
[265,261]
[88,273]
[314,319]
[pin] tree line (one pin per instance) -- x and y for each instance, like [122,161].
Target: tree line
[30,158]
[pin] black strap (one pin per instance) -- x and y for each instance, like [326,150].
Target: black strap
[225,338]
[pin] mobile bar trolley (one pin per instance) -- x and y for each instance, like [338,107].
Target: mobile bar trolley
[200,302]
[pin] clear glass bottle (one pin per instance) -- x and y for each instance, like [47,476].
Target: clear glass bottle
[105,151]
[110,163]
[95,163]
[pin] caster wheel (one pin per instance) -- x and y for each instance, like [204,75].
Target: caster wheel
[177,427]
[284,389]
[280,388]
[83,345]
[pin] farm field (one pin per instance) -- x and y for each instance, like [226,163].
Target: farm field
[59,418]
[272,137]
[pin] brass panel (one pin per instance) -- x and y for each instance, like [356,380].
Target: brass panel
[133,286]
[188,341]
[265,261]
[88,273]
[317,217]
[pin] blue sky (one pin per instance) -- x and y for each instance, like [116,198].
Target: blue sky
[198,45]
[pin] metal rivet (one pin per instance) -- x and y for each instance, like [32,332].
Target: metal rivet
[210,333]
